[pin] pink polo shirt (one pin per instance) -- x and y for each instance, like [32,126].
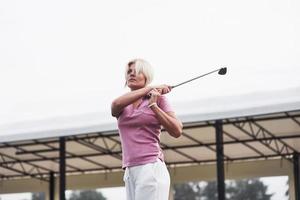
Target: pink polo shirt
[140,133]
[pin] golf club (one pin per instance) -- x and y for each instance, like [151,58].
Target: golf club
[221,71]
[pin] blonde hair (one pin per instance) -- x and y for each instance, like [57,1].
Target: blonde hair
[141,66]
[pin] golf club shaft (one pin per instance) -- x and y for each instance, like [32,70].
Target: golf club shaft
[194,78]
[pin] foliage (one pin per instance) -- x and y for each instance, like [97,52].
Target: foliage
[235,190]
[87,195]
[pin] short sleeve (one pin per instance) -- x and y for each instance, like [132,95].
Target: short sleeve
[164,104]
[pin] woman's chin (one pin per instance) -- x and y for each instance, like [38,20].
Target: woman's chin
[134,87]
[131,86]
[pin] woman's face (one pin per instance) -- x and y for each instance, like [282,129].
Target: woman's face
[135,81]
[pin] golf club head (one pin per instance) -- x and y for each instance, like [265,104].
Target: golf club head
[223,71]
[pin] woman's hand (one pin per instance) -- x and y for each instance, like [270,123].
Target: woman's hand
[163,89]
[154,95]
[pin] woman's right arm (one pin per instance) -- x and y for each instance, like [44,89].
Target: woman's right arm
[121,102]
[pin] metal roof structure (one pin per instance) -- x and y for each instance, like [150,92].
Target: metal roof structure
[268,136]
[251,134]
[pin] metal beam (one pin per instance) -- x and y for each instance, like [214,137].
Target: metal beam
[204,144]
[265,137]
[199,143]
[220,160]
[229,121]
[277,146]
[51,186]
[62,168]
[114,133]
[296,159]
[283,143]
[169,164]
[37,154]
[10,166]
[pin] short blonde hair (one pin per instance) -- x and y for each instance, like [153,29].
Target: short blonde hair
[141,66]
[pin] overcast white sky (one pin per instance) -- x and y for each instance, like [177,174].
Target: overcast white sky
[67,57]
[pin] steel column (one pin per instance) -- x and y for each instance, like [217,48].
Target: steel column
[220,160]
[62,168]
[296,159]
[51,186]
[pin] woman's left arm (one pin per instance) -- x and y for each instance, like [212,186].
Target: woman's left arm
[169,121]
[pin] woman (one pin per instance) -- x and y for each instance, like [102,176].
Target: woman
[140,114]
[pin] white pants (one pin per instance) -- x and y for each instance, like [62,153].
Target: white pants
[147,182]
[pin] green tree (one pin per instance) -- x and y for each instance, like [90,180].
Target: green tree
[187,191]
[87,195]
[235,190]
[38,196]
[209,192]
[287,192]
[248,190]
